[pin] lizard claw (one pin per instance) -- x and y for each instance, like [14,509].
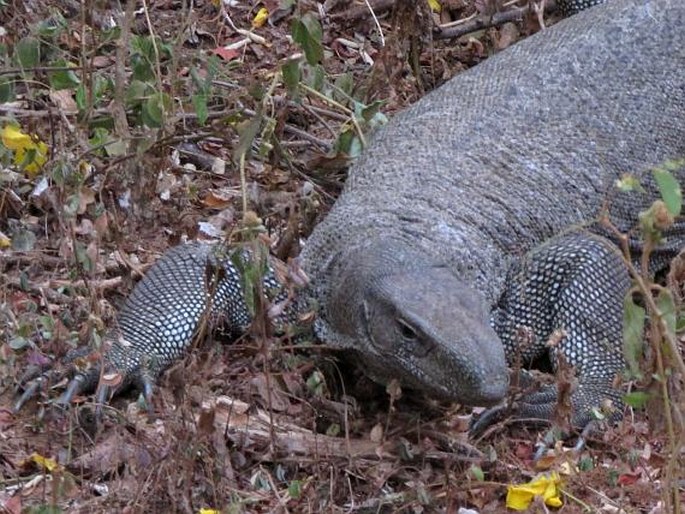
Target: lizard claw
[104,393]
[89,373]
[541,406]
[148,389]
[487,418]
[32,382]
[30,391]
[85,373]
[76,385]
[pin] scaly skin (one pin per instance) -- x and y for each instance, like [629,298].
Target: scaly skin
[480,173]
[426,266]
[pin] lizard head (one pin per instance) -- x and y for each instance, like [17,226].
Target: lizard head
[417,322]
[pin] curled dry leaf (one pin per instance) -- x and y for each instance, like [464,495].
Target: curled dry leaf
[376,434]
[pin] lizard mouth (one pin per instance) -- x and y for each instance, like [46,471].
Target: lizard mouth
[492,391]
[475,390]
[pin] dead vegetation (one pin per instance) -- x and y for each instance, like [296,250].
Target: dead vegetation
[149,141]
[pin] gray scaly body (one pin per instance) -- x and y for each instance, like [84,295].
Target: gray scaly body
[469,219]
[486,177]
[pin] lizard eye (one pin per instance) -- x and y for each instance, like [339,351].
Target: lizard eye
[407,331]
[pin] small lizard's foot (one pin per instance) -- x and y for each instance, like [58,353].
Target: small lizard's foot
[591,401]
[78,364]
[88,373]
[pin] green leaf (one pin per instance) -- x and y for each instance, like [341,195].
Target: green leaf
[633,335]
[142,68]
[267,136]
[371,112]
[116,148]
[81,253]
[316,382]
[628,183]
[295,489]
[306,32]
[670,190]
[23,241]
[6,91]
[103,143]
[103,85]
[667,310]
[142,46]
[137,93]
[51,27]
[248,132]
[586,463]
[636,399]
[314,76]
[291,77]
[99,138]
[18,343]
[238,261]
[152,113]
[154,110]
[201,110]
[680,324]
[333,430]
[477,473]
[203,83]
[71,206]
[110,35]
[348,143]
[80,97]
[27,52]
[343,86]
[64,79]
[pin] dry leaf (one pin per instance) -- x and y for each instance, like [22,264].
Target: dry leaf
[63,99]
[227,54]
[376,433]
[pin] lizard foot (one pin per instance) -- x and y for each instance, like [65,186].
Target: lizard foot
[89,373]
[590,402]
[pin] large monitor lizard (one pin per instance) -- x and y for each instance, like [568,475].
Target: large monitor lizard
[468,224]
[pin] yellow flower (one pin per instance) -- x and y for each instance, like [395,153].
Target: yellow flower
[435,5]
[546,485]
[5,242]
[28,152]
[44,462]
[260,18]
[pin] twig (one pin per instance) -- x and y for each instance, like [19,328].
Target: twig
[480,23]
[41,289]
[100,285]
[333,103]
[239,421]
[120,78]
[245,33]
[320,120]
[324,145]
[375,20]
[377,7]
[153,40]
[324,112]
[48,69]
[17,111]
[33,258]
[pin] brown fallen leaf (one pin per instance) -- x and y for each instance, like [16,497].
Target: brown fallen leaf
[63,99]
